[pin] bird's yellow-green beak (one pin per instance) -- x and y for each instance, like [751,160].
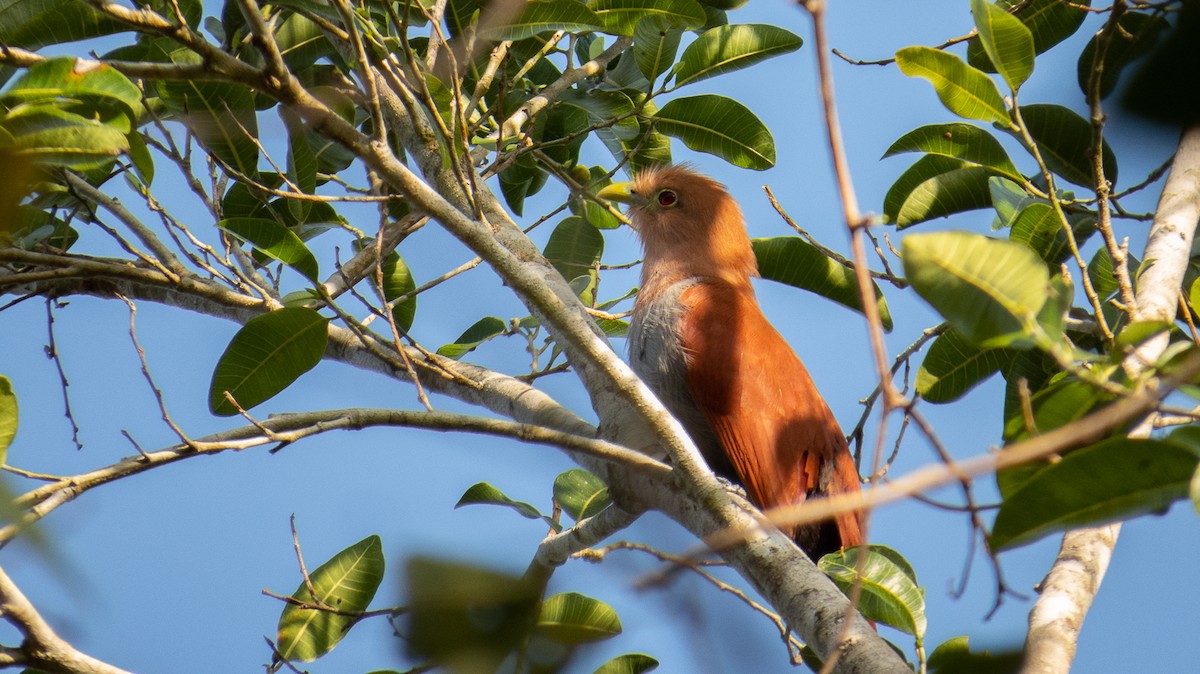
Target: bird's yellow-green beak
[622,193]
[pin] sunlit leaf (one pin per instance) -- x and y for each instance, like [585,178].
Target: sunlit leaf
[90,89]
[573,618]
[965,91]
[48,135]
[1048,21]
[730,48]
[655,43]
[541,16]
[959,140]
[990,289]
[719,126]
[346,583]
[33,25]
[482,493]
[889,594]
[276,241]
[397,282]
[954,365]
[1038,226]
[580,493]
[269,353]
[936,186]
[629,663]
[483,330]
[796,262]
[954,656]
[620,17]
[1113,480]
[8,417]
[1008,43]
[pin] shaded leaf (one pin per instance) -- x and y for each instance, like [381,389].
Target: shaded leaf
[1055,406]
[629,663]
[990,289]
[890,593]
[269,353]
[397,282]
[482,493]
[655,43]
[1039,227]
[719,126]
[276,241]
[964,90]
[1008,43]
[1110,481]
[33,25]
[620,17]
[483,330]
[220,114]
[604,106]
[1100,272]
[574,248]
[346,583]
[728,48]
[580,493]
[959,140]
[955,657]
[1048,21]
[954,365]
[9,417]
[573,618]
[935,187]
[1137,34]
[1064,139]
[796,262]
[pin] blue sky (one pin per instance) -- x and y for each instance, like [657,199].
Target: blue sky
[163,571]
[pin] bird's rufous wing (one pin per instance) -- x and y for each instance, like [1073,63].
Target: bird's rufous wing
[762,404]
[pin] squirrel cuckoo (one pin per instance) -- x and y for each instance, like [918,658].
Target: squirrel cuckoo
[700,341]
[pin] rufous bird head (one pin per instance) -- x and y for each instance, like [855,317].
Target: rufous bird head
[688,224]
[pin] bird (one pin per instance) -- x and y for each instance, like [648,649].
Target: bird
[698,338]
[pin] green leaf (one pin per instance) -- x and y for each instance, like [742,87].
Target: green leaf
[302,42]
[1039,227]
[521,179]
[8,417]
[140,155]
[220,114]
[965,91]
[464,614]
[580,493]
[719,126]
[1008,43]
[1194,489]
[1138,32]
[935,187]
[542,16]
[959,140]
[48,135]
[574,248]
[954,366]
[269,353]
[648,148]
[991,290]
[1114,480]
[90,89]
[1137,332]
[347,583]
[954,656]
[1048,21]
[398,282]
[795,262]
[655,43]
[890,593]
[482,493]
[302,162]
[1100,271]
[1055,406]
[728,48]
[276,241]
[620,17]
[1065,139]
[573,618]
[483,330]
[33,25]
[629,663]
[604,106]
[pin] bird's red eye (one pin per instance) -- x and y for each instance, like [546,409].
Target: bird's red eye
[667,198]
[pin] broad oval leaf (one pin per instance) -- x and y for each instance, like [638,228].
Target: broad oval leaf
[1039,227]
[629,663]
[482,493]
[83,81]
[959,140]
[890,593]
[1007,41]
[728,48]
[220,114]
[1065,141]
[574,248]
[953,366]
[965,91]
[268,354]
[1138,32]
[397,282]
[9,417]
[1048,21]
[954,656]
[540,16]
[1110,481]
[720,126]
[33,25]
[573,618]
[796,262]
[580,493]
[935,187]
[655,43]
[604,106]
[275,240]
[346,583]
[1057,405]
[990,289]
[620,17]
[481,331]
[48,135]
[1102,275]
